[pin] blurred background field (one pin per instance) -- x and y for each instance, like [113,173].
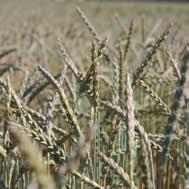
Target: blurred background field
[47,18]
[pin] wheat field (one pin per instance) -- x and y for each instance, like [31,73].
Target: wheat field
[94,95]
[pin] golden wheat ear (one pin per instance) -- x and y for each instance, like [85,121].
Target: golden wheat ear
[32,156]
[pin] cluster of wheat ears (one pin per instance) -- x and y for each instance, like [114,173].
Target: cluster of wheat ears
[108,127]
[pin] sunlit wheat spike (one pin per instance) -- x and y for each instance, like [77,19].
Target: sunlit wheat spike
[23,110]
[129,36]
[37,134]
[87,180]
[130,123]
[64,100]
[88,24]
[93,32]
[60,131]
[32,157]
[116,168]
[20,108]
[115,109]
[172,118]
[35,114]
[69,61]
[139,71]
[154,96]
[8,86]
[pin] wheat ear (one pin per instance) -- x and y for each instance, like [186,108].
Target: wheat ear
[32,157]
[64,100]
